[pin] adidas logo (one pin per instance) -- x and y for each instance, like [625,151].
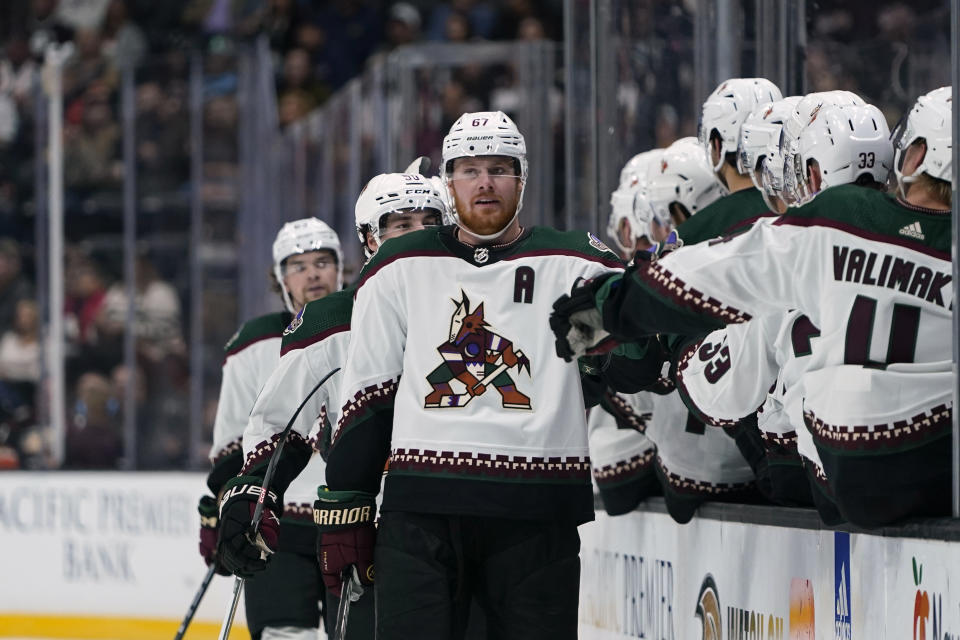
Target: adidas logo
[913,231]
[843,607]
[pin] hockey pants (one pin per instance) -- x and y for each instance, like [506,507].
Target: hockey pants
[524,575]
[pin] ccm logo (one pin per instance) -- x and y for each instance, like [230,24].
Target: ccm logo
[331,517]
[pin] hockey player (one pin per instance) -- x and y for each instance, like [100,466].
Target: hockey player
[307,266]
[872,273]
[735,367]
[721,118]
[693,464]
[626,226]
[760,140]
[681,186]
[489,474]
[313,345]
[622,457]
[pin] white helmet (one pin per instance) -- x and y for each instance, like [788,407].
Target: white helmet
[633,178]
[760,133]
[640,165]
[303,236]
[484,133]
[392,192]
[846,143]
[727,107]
[930,119]
[807,109]
[684,176]
[771,179]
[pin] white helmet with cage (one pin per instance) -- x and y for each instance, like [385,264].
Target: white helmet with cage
[727,107]
[484,133]
[847,143]
[930,118]
[760,133]
[683,177]
[633,178]
[391,193]
[303,236]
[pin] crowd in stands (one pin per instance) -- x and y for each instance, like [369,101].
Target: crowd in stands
[316,48]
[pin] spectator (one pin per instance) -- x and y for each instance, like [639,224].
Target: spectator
[531,28]
[85,294]
[353,29]
[20,346]
[403,25]
[124,42]
[482,17]
[93,435]
[91,149]
[87,66]
[19,375]
[18,71]
[14,286]
[457,28]
[156,313]
[298,77]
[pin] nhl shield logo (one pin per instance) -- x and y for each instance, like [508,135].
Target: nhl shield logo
[481,255]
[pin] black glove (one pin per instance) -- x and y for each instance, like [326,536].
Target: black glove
[577,324]
[241,551]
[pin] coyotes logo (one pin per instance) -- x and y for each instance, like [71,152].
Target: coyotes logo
[476,358]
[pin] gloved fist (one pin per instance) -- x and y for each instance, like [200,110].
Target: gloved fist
[241,551]
[347,534]
[208,532]
[577,324]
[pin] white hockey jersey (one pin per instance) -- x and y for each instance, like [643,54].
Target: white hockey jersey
[313,346]
[871,273]
[250,355]
[621,455]
[452,373]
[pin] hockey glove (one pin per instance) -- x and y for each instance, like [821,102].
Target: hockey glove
[208,532]
[577,323]
[347,534]
[241,551]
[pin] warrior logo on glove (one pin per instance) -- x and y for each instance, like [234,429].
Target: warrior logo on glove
[475,357]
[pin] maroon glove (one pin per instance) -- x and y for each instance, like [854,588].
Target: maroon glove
[347,535]
[208,532]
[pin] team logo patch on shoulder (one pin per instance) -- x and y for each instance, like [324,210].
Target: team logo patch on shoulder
[232,339]
[293,326]
[597,244]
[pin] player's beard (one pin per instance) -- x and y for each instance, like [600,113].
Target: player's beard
[487,223]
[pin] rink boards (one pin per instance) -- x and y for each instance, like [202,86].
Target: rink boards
[727,576]
[105,555]
[114,555]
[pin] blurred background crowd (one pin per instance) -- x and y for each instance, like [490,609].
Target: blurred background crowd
[316,47]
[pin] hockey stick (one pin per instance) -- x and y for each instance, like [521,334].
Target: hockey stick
[350,592]
[258,511]
[461,399]
[196,601]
